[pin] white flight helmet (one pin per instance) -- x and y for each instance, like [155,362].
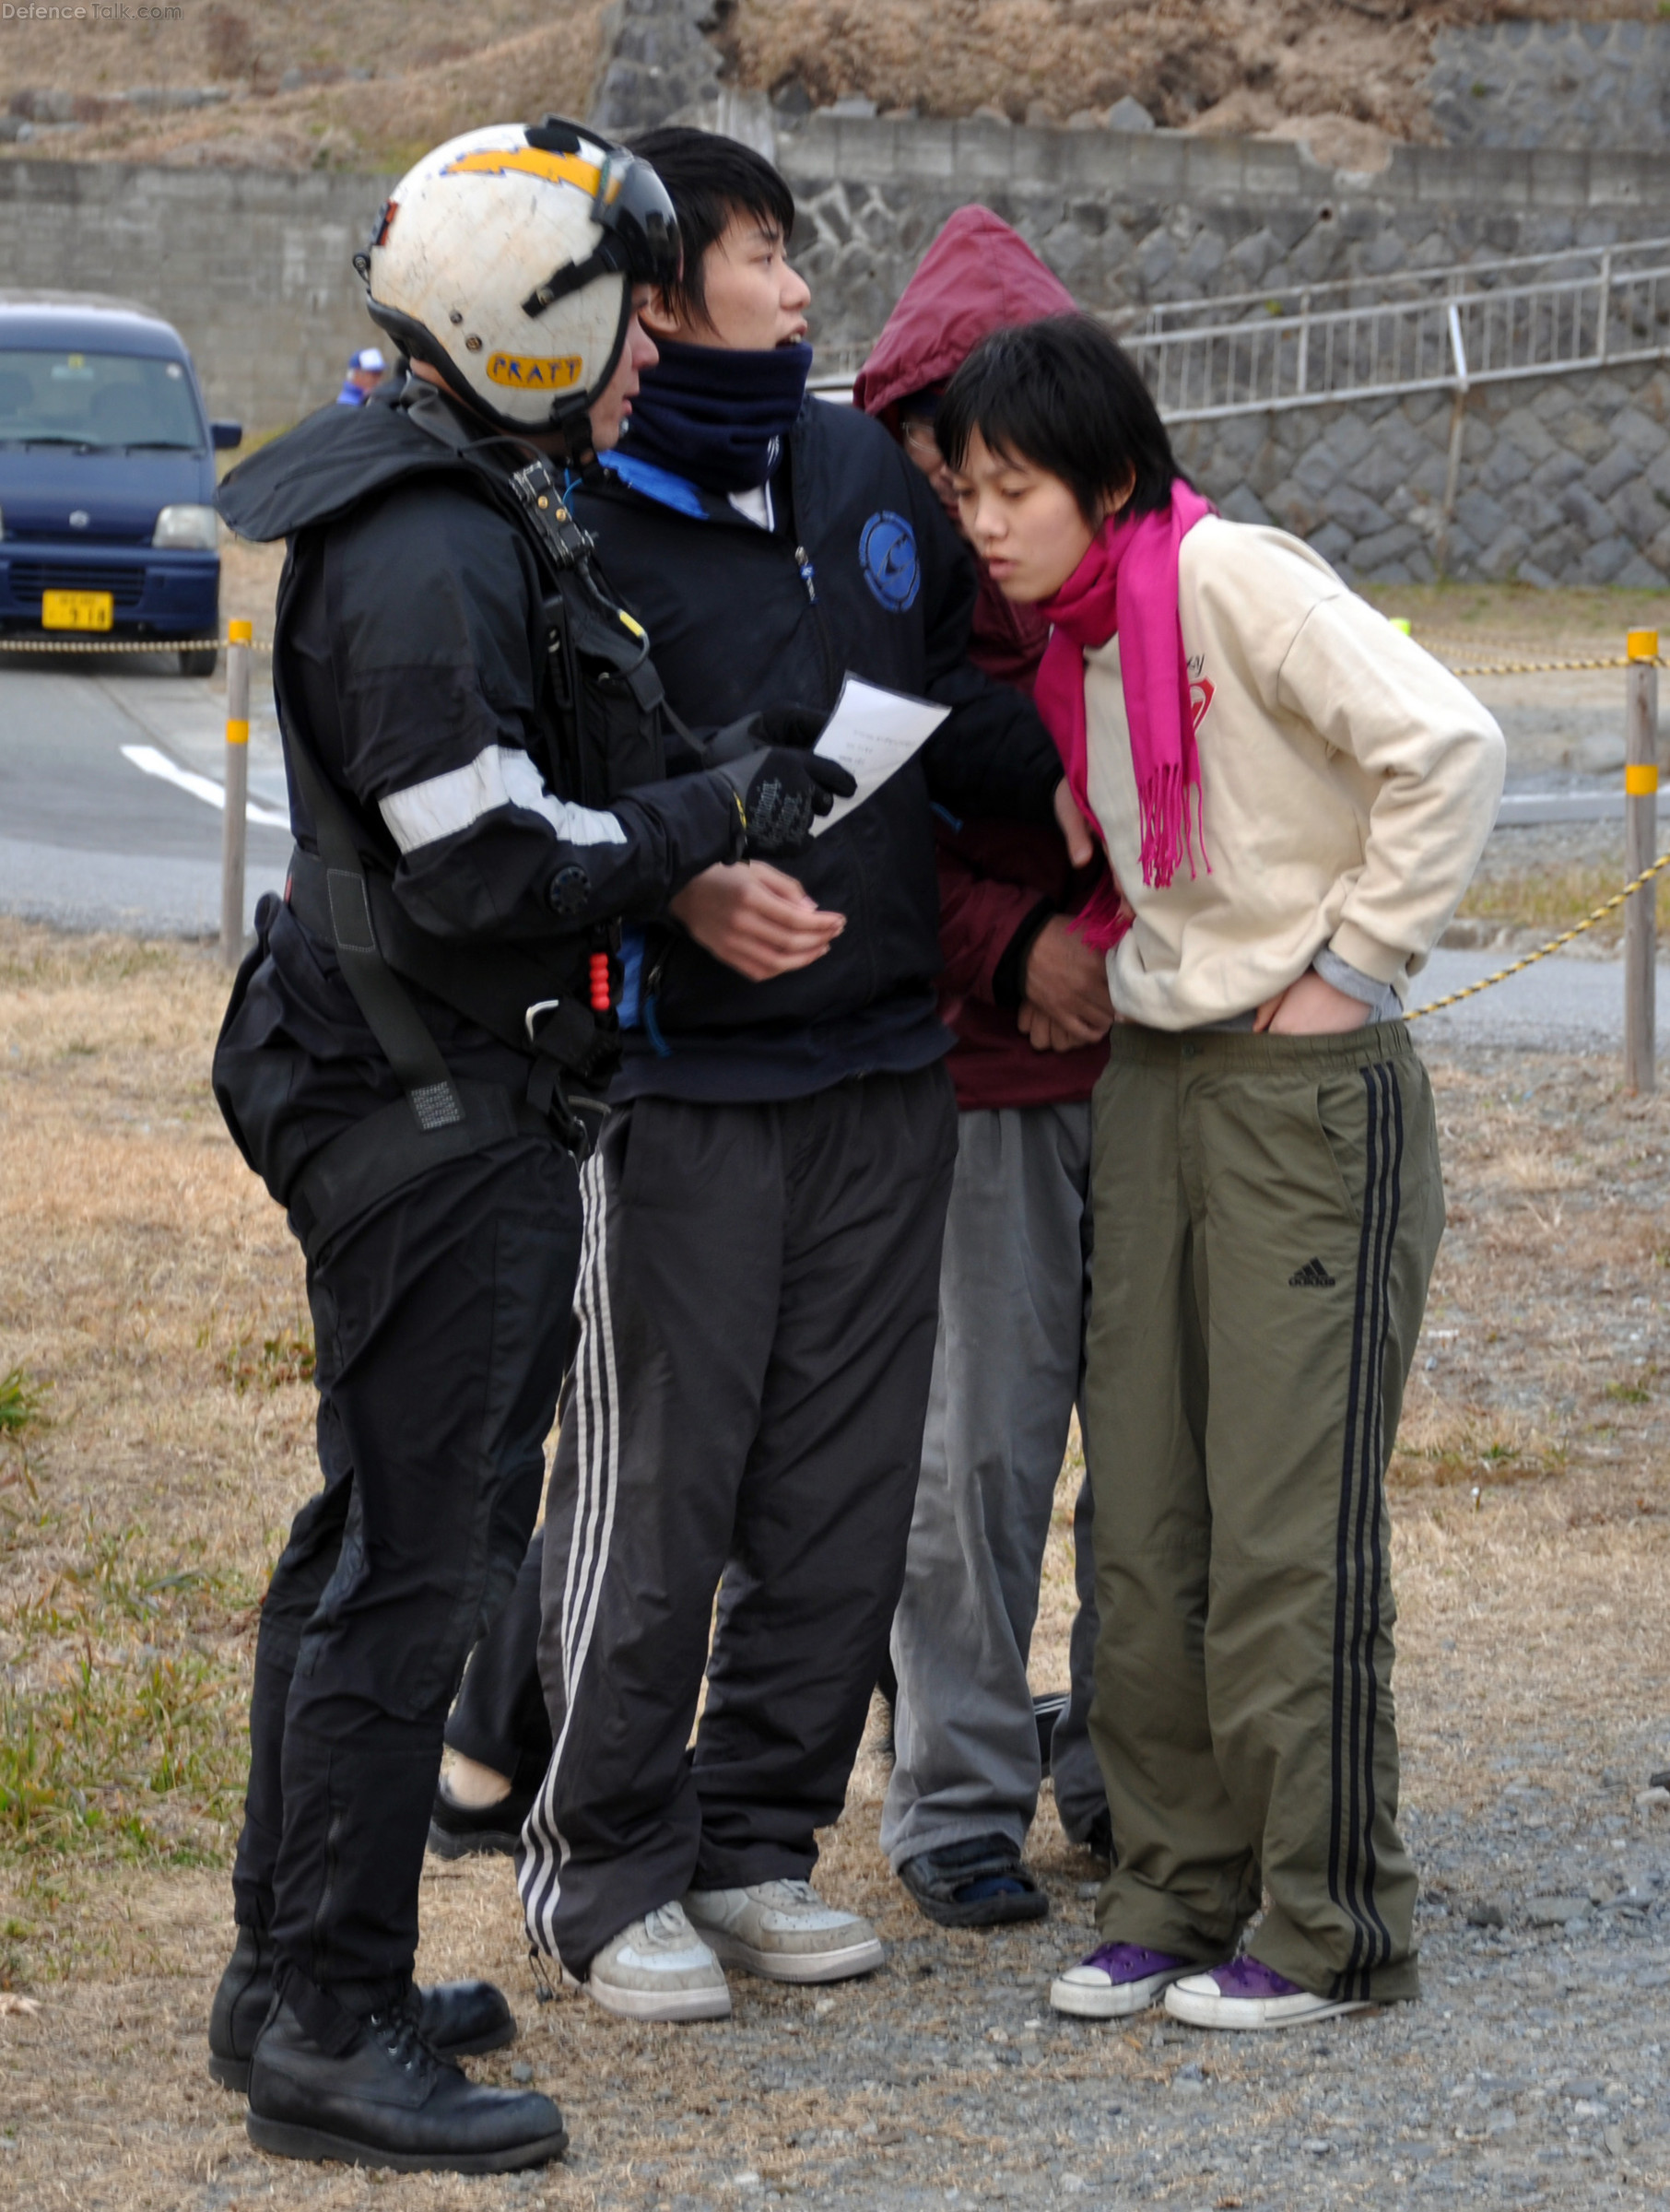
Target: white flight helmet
[506,259]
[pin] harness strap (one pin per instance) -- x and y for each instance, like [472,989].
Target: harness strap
[394,1021]
[381,1154]
[504,993]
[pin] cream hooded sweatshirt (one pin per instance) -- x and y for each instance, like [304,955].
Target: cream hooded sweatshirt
[1347,785]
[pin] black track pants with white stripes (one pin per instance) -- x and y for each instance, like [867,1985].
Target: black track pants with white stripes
[441,1320]
[758,1302]
[1267,1211]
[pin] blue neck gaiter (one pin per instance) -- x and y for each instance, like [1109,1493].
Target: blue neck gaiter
[717,417]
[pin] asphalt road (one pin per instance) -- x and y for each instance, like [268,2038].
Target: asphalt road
[1566,1004]
[89,840]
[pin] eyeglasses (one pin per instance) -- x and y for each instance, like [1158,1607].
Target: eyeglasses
[919,435]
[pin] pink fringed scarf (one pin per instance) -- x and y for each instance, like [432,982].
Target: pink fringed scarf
[1127,583]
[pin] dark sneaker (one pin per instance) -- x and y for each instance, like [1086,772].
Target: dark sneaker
[458,2018]
[1046,1711]
[1247,1993]
[980,1883]
[1100,1841]
[1116,1980]
[388,2099]
[457,1831]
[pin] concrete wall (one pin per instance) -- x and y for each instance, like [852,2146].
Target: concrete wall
[1561,479]
[1128,217]
[252,266]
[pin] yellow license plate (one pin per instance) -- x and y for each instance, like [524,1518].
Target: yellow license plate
[77,610]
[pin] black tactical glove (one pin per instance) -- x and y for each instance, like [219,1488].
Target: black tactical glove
[798,726]
[779,792]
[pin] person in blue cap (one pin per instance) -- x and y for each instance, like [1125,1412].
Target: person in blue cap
[365,371]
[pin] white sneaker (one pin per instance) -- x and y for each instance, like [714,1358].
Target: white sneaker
[1247,1993]
[659,1969]
[785,1931]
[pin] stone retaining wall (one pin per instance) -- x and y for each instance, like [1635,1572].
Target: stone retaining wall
[1562,480]
[1553,84]
[254,268]
[1127,218]
[1560,477]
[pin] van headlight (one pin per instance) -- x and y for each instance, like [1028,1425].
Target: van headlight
[186,529]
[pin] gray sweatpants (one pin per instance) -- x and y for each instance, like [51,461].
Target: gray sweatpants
[1013,1288]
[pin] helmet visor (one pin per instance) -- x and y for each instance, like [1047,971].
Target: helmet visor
[633,207]
[640,229]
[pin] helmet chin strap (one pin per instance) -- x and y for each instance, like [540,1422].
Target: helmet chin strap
[569,424]
[569,441]
[578,449]
[575,428]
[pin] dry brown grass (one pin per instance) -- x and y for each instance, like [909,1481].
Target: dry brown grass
[1346,74]
[146,1272]
[249,585]
[1234,66]
[437,68]
[1488,623]
[1552,900]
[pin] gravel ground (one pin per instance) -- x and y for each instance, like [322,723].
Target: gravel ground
[1531,1503]
[1534,2071]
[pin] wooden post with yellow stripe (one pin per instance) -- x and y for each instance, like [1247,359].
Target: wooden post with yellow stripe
[234,827]
[1641,850]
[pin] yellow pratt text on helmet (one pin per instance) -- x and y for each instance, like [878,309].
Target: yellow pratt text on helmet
[467,236]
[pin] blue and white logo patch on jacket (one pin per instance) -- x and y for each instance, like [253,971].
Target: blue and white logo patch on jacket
[886,553]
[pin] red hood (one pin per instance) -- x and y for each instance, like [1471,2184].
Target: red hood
[977,276]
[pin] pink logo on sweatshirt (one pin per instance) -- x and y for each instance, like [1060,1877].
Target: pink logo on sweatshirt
[1200,699]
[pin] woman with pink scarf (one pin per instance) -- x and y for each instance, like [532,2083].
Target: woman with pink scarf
[1292,797]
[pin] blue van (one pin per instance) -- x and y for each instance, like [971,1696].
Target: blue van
[107,472]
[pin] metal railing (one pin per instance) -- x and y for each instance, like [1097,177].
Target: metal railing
[1438,330]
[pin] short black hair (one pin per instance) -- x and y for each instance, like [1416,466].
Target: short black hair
[710,180]
[1063,395]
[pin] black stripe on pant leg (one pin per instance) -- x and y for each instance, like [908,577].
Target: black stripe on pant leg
[1374,1943]
[1368,1507]
[1342,1885]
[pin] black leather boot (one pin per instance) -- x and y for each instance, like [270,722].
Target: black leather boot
[371,2092]
[458,2018]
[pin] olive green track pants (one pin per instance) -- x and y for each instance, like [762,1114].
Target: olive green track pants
[1268,1210]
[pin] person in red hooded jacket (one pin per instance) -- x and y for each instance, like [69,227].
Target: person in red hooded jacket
[1028,1005]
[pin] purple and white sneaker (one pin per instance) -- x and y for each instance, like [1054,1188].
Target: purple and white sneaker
[1115,1979]
[1247,1993]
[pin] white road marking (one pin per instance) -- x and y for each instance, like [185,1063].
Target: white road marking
[153,763]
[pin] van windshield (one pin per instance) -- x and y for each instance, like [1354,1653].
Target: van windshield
[103,400]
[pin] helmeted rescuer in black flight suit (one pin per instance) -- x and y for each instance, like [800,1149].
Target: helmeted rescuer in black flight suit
[473,738]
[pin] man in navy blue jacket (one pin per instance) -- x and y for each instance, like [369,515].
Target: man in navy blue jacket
[764,1215]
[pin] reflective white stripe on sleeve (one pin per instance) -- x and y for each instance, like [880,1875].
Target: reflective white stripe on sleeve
[499,775]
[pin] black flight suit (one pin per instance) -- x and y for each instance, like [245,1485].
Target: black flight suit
[413,671]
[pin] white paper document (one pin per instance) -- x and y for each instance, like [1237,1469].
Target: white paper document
[873,733]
